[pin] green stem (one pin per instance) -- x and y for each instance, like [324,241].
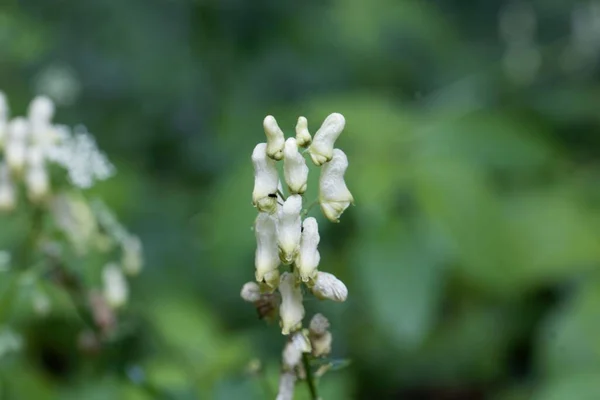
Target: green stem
[281,194]
[310,379]
[307,209]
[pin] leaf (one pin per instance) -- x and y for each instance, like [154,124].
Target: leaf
[403,277]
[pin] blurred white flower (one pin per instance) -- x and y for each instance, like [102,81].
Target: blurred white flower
[291,310]
[4,111]
[275,138]
[80,156]
[334,195]
[16,144]
[266,180]
[308,257]
[321,149]
[266,258]
[295,170]
[303,137]
[327,286]
[289,227]
[115,287]
[132,258]
[59,82]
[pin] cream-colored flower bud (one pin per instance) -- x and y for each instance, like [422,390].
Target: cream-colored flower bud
[291,310]
[302,134]
[295,169]
[327,286]
[266,180]
[8,195]
[37,182]
[319,324]
[250,292]
[321,345]
[275,138]
[308,257]
[16,144]
[289,228]
[334,195]
[266,258]
[321,149]
[115,286]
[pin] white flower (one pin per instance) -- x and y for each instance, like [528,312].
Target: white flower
[115,287]
[302,134]
[320,337]
[321,149]
[3,118]
[327,286]
[36,178]
[40,113]
[295,170]
[275,139]
[250,292]
[8,196]
[82,159]
[292,353]
[132,258]
[291,310]
[289,228]
[266,258]
[37,182]
[266,180]
[16,144]
[308,257]
[334,195]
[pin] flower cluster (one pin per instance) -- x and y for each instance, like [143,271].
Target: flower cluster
[282,236]
[32,145]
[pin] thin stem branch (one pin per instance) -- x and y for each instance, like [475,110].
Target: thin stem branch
[281,194]
[310,206]
[310,379]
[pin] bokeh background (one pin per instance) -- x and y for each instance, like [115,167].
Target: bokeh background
[472,255]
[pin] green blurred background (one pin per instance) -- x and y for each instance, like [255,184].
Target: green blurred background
[472,255]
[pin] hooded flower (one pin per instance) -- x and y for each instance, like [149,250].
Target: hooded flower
[289,228]
[321,149]
[295,170]
[264,196]
[291,310]
[266,258]
[302,134]
[327,286]
[275,139]
[334,195]
[308,257]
